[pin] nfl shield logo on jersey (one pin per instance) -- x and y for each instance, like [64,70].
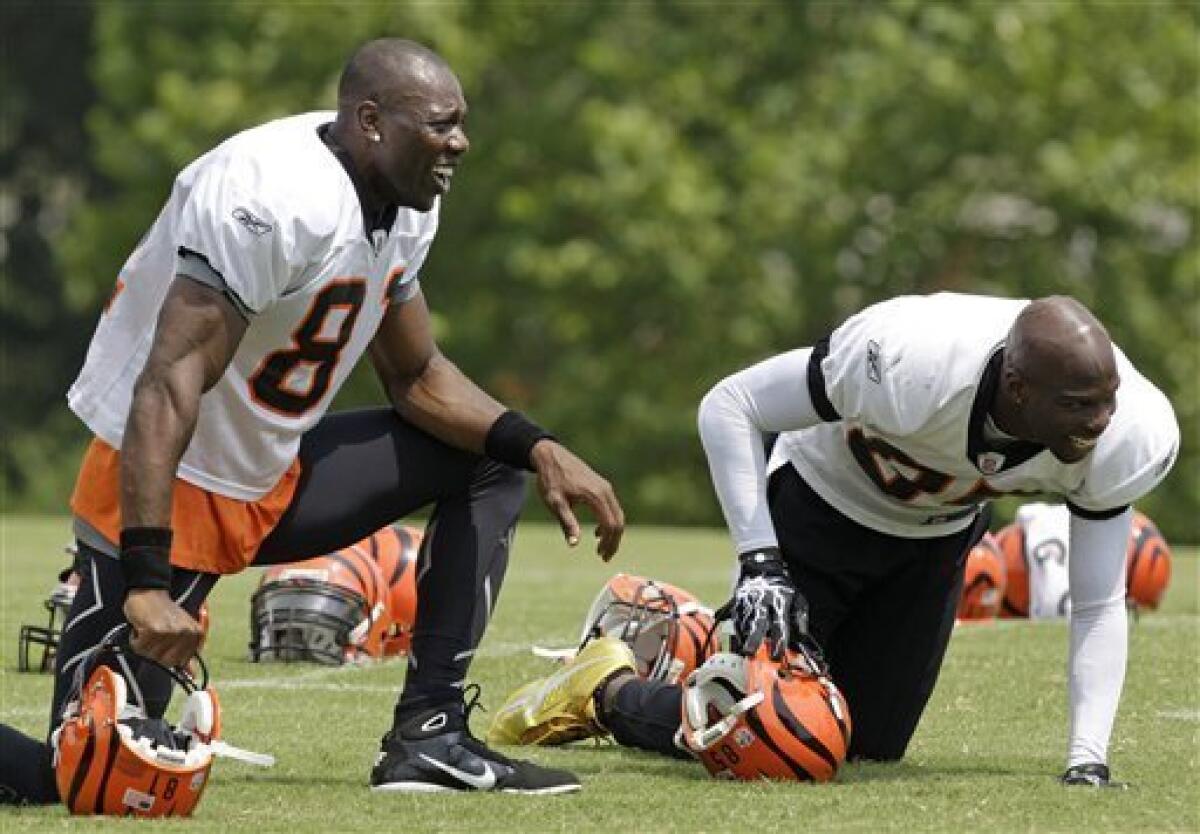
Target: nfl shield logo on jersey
[990,462]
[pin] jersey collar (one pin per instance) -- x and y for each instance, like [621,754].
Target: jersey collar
[992,459]
[380,222]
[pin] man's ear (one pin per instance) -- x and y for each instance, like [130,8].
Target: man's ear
[1014,386]
[367,120]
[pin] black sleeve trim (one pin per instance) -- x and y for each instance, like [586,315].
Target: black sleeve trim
[1096,515]
[816,383]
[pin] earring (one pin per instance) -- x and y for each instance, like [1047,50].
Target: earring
[375,137]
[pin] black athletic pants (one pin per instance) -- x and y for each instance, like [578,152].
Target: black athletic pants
[361,470]
[881,607]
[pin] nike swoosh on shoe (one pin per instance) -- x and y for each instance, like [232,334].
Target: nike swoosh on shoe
[479,781]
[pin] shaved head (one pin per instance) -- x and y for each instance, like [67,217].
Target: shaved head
[1059,379]
[386,70]
[1055,336]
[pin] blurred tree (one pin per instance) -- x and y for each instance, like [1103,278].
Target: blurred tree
[659,193]
[44,173]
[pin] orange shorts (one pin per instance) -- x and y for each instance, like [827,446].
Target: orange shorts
[213,533]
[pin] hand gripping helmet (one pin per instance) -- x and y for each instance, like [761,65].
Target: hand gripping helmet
[32,636]
[754,718]
[331,610]
[1148,564]
[395,551]
[668,629]
[984,581]
[109,758]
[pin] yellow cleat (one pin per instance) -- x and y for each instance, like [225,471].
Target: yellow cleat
[559,709]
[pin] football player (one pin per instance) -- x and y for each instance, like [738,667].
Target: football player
[854,529]
[280,257]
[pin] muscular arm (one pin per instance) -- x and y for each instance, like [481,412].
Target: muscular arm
[197,333]
[771,396]
[426,388]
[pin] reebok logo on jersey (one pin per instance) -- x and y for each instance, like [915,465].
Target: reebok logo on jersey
[874,365]
[479,781]
[255,225]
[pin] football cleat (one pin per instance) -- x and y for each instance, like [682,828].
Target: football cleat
[434,752]
[560,708]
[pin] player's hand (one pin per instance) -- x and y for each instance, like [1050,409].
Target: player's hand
[766,605]
[1091,775]
[160,629]
[565,481]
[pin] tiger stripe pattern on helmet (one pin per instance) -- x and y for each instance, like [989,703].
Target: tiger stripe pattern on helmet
[1148,563]
[754,718]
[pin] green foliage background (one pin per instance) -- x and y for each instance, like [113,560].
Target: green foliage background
[657,194]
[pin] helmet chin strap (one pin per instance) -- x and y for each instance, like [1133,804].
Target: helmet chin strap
[228,751]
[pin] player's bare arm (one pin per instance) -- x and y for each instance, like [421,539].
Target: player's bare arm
[429,391]
[197,333]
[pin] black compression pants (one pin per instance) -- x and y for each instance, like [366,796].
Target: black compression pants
[361,470]
[882,607]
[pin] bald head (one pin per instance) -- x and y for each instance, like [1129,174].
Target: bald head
[387,71]
[1058,336]
[1059,381]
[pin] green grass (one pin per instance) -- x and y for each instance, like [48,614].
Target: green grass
[984,758]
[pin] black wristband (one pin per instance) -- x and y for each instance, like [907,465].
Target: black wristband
[146,558]
[762,561]
[511,439]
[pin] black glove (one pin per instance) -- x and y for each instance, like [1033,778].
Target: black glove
[766,605]
[1093,774]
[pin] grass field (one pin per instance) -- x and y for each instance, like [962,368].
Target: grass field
[984,758]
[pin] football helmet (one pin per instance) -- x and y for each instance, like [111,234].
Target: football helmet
[1148,563]
[395,550]
[984,581]
[754,718]
[110,758]
[670,632]
[1011,540]
[332,609]
[57,605]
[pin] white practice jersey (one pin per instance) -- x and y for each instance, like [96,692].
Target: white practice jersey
[275,213]
[905,387]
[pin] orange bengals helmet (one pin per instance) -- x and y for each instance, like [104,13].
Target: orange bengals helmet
[668,629]
[332,609]
[1148,563]
[984,581]
[754,718]
[1011,540]
[109,758]
[395,550]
